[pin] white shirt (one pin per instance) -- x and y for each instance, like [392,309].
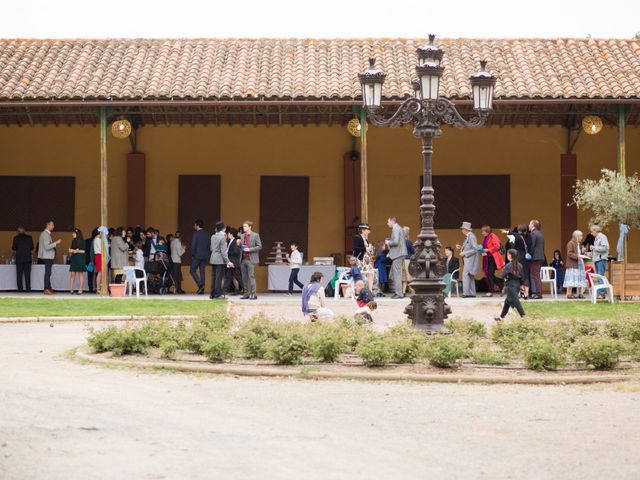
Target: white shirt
[97,245]
[295,260]
[139,258]
[177,250]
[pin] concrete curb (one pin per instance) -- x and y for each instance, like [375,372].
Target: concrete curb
[299,373]
[95,318]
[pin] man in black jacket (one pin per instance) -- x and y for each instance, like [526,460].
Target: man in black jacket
[199,254]
[538,258]
[234,252]
[23,246]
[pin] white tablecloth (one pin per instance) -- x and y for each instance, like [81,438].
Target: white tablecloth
[279,276]
[59,278]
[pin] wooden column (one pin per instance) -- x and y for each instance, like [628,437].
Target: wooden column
[352,192]
[568,211]
[136,189]
[103,288]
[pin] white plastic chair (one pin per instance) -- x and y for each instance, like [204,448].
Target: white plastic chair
[548,275]
[343,279]
[131,279]
[453,281]
[599,282]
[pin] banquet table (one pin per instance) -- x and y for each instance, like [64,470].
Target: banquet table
[59,277]
[279,276]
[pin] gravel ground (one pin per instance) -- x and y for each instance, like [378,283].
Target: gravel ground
[63,420]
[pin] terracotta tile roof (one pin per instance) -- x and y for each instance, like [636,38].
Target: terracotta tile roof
[307,69]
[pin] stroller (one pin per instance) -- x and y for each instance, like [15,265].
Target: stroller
[159,278]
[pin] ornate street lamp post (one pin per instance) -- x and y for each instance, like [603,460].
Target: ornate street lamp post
[427,111]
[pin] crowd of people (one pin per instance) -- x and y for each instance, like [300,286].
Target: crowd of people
[232,254]
[513,267]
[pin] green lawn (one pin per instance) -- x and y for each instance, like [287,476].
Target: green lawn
[40,307]
[584,310]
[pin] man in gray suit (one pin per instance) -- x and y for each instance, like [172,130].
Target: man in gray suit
[397,254]
[46,254]
[471,260]
[251,245]
[219,259]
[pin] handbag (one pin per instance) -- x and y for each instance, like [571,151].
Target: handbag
[527,255]
[91,267]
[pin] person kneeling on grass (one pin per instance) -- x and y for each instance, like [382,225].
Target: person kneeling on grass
[365,311]
[513,276]
[313,299]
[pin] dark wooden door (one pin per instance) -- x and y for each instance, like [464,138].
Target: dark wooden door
[284,213]
[198,198]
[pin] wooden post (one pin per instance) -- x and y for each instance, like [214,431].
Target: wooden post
[622,164]
[364,188]
[103,288]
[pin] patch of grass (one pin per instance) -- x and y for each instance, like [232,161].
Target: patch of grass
[56,307]
[582,310]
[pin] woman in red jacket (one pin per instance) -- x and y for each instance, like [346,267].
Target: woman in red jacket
[491,259]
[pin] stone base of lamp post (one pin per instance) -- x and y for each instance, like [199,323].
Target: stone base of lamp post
[428,308]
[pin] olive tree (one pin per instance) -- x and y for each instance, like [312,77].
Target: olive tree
[613,198]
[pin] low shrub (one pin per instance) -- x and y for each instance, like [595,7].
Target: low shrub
[483,355]
[444,351]
[218,347]
[600,352]
[615,328]
[632,330]
[373,350]
[99,340]
[465,326]
[327,344]
[540,354]
[287,348]
[169,348]
[218,320]
[405,344]
[353,331]
[514,336]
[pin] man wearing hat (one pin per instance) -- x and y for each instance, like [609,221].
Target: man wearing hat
[471,260]
[361,245]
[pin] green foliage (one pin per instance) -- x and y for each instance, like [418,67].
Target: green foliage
[601,352]
[287,348]
[513,336]
[353,331]
[253,336]
[405,344]
[465,326]
[218,347]
[613,198]
[373,350]
[540,354]
[484,355]
[218,320]
[444,351]
[328,343]
[120,341]
[169,348]
[99,340]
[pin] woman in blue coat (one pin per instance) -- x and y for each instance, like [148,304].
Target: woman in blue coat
[381,265]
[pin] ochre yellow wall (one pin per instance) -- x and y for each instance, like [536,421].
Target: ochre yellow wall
[242,154]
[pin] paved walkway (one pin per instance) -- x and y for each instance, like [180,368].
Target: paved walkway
[63,420]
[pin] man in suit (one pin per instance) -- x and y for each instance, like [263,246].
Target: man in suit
[219,260]
[200,244]
[397,254]
[23,246]
[537,258]
[471,260]
[251,245]
[46,254]
[361,242]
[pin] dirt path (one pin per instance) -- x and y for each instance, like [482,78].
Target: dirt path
[63,420]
